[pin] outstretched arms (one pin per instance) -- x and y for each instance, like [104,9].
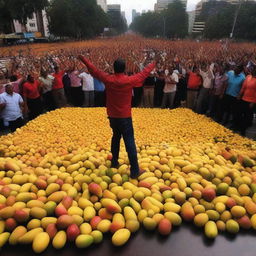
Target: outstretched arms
[100,75]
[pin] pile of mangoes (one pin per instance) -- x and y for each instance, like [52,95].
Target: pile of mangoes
[57,184]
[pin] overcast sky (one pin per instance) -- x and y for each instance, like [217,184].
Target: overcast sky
[139,5]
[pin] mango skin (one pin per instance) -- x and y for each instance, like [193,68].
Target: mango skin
[232,226]
[28,237]
[41,242]
[201,219]
[59,240]
[97,236]
[253,221]
[211,230]
[16,233]
[121,237]
[4,238]
[84,241]
[238,211]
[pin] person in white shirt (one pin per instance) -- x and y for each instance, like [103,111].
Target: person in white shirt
[11,106]
[208,76]
[88,89]
[46,82]
[170,87]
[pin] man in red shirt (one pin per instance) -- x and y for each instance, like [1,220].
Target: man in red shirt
[119,97]
[58,88]
[194,83]
[248,101]
[32,98]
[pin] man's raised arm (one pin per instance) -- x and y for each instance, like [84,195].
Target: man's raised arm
[100,75]
[138,79]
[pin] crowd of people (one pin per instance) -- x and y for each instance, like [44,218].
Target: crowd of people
[210,78]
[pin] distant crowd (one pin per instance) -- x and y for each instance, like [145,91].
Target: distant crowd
[219,82]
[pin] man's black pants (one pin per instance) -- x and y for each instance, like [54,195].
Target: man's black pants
[15,124]
[122,127]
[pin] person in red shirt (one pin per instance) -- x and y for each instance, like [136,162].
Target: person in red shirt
[58,88]
[119,97]
[194,84]
[31,97]
[248,101]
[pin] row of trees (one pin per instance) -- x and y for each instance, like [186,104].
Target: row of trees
[76,18]
[19,10]
[67,18]
[219,18]
[171,22]
[217,15]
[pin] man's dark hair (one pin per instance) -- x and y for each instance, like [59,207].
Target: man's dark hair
[119,66]
[13,78]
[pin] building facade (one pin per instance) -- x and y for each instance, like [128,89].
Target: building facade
[191,20]
[134,14]
[38,23]
[163,4]
[211,9]
[114,8]
[103,5]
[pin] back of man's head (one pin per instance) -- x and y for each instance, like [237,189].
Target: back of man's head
[119,66]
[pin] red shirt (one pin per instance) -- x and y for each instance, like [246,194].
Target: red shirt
[57,83]
[249,89]
[119,88]
[194,81]
[31,90]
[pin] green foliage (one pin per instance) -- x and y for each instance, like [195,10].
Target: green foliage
[76,18]
[19,10]
[149,24]
[219,24]
[246,22]
[172,22]
[117,22]
[176,20]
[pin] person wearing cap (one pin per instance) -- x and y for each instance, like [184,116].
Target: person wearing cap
[119,88]
[11,107]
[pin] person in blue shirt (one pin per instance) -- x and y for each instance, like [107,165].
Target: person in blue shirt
[236,78]
[99,93]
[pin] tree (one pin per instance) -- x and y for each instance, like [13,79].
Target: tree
[246,22]
[149,24]
[172,22]
[5,17]
[19,10]
[117,22]
[176,20]
[76,18]
[220,24]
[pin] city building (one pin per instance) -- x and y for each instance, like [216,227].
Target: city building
[134,14]
[103,5]
[163,4]
[211,9]
[191,20]
[38,23]
[114,8]
[198,27]
[124,17]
